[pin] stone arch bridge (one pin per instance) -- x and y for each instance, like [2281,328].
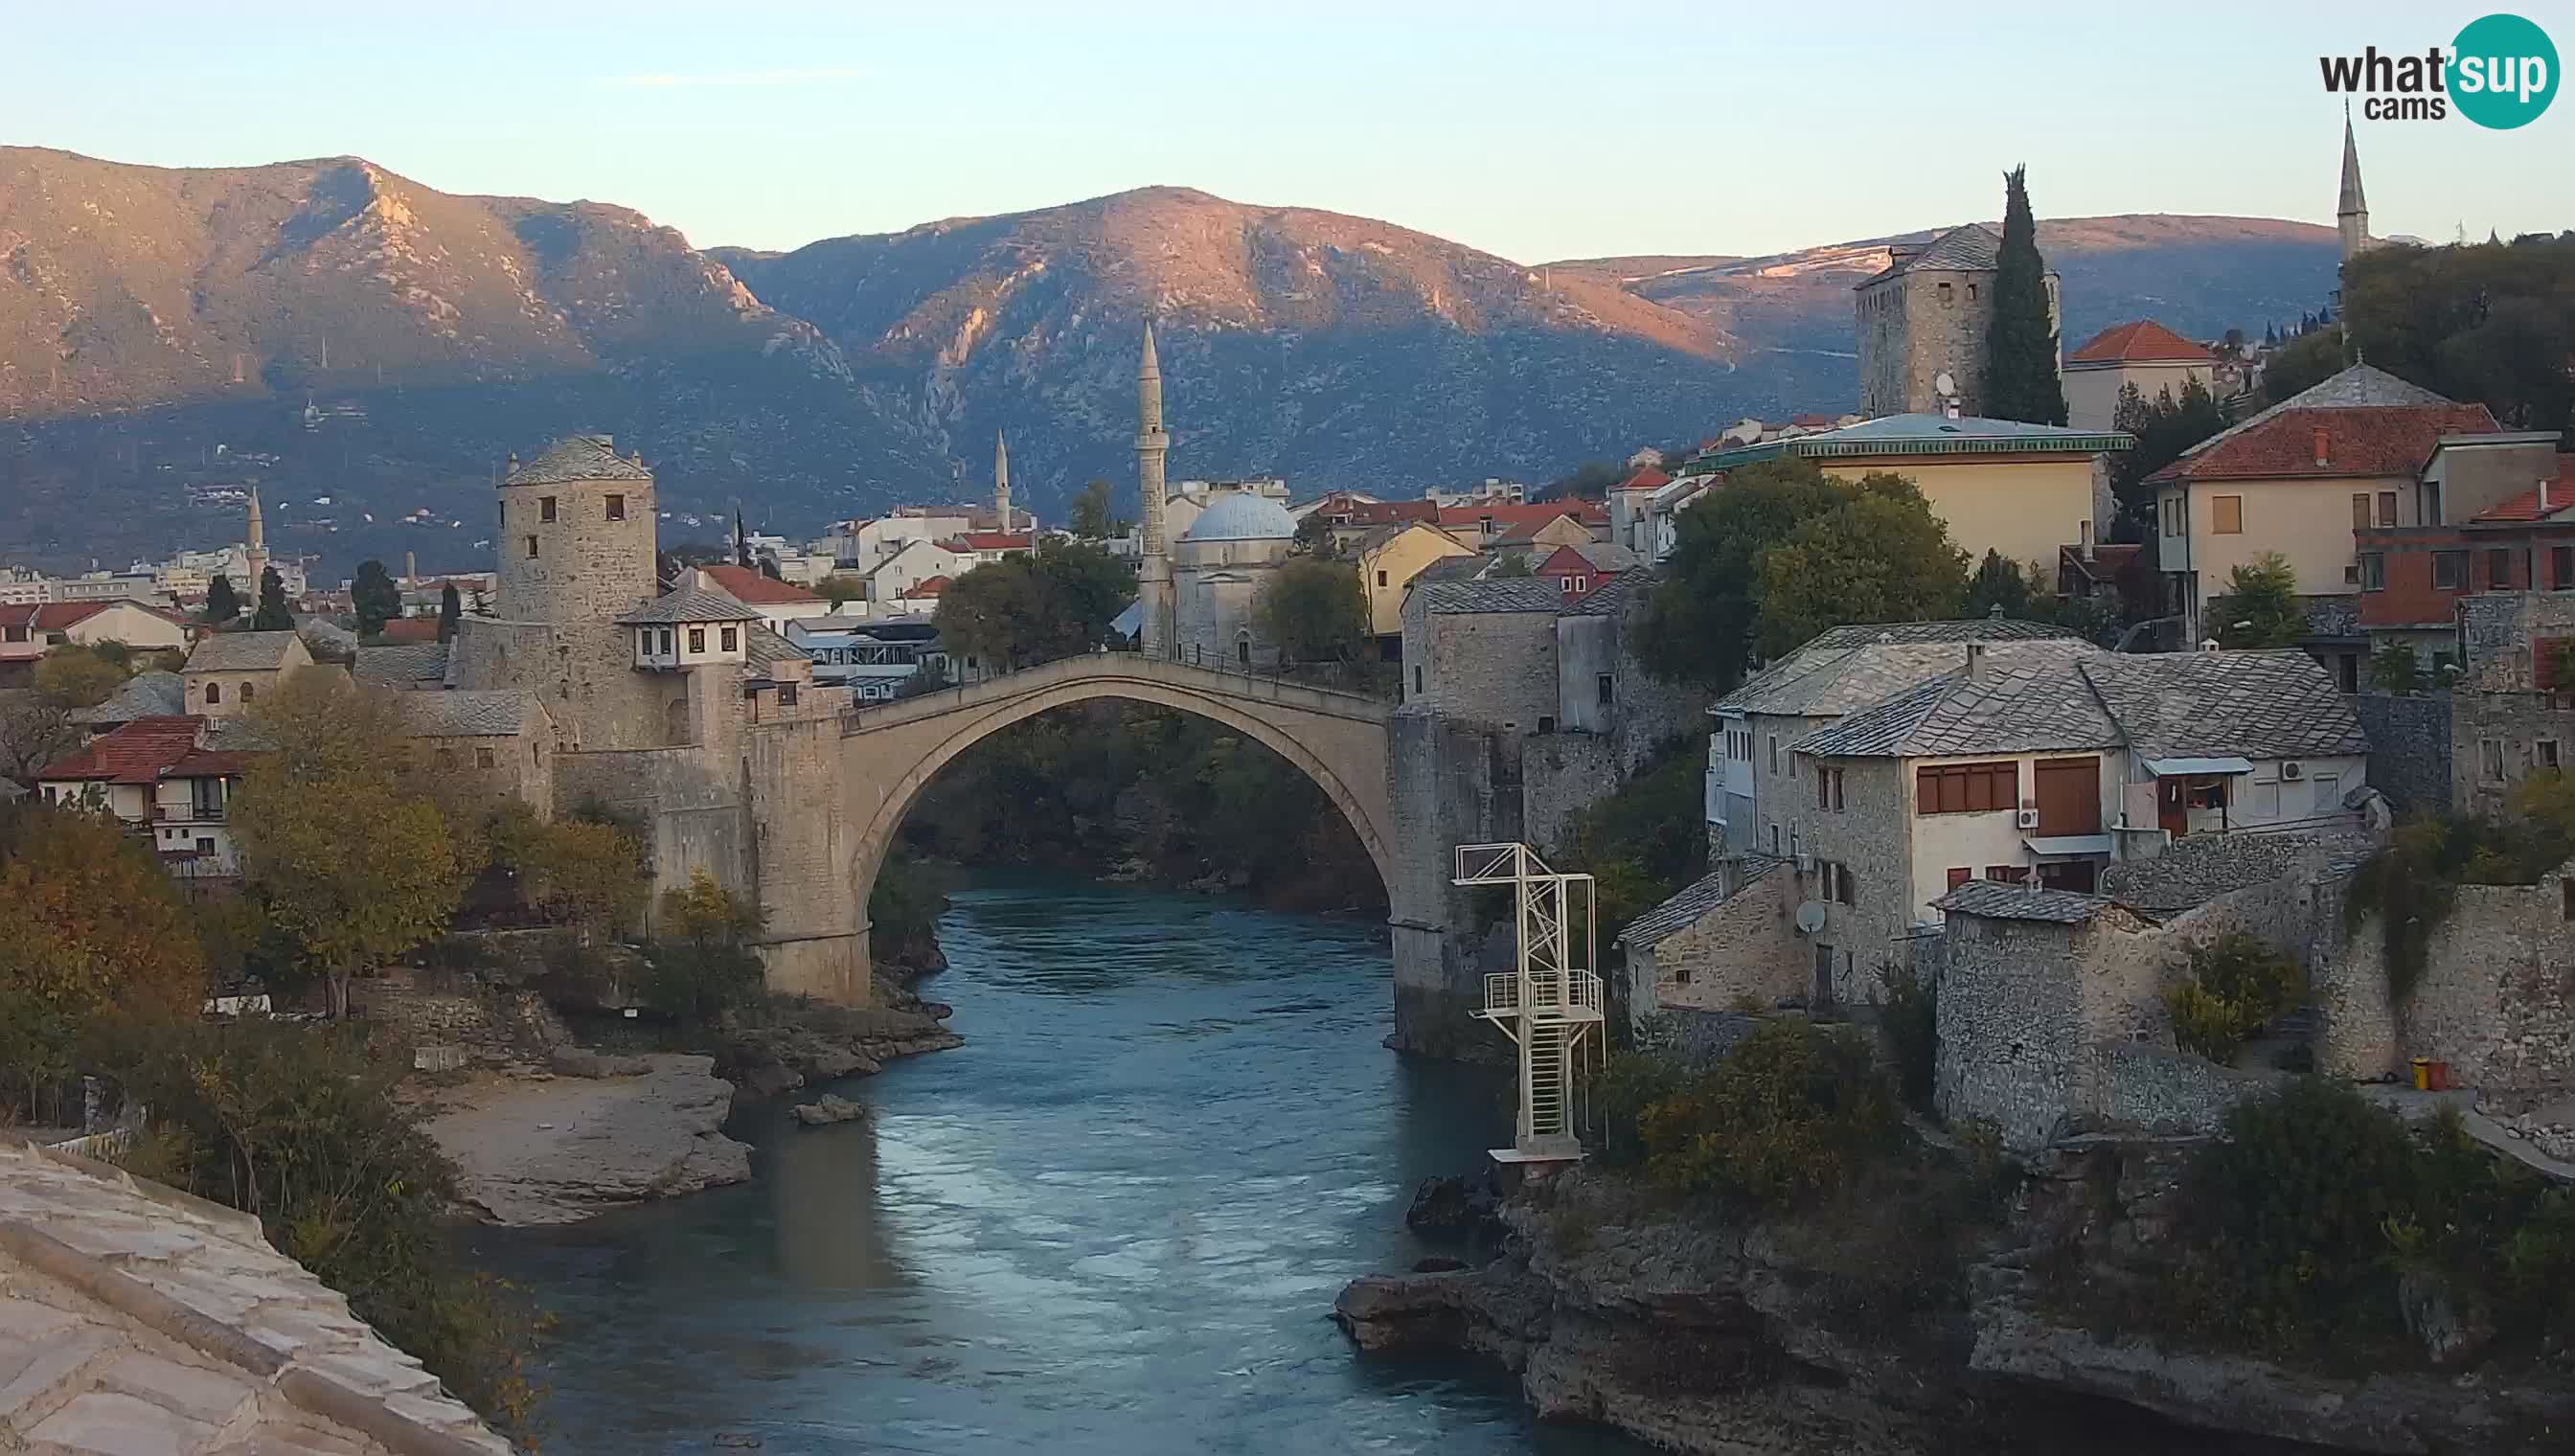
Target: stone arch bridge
[1409,782]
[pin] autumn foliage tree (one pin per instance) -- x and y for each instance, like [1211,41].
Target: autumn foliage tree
[352,866]
[1311,607]
[94,935]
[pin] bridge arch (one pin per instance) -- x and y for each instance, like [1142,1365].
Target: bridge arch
[891,752]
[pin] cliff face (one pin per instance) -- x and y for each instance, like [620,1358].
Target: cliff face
[1763,1341]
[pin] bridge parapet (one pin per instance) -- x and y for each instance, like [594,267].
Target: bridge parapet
[1248,689]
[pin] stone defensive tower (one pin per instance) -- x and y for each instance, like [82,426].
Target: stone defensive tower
[1153,442]
[579,533]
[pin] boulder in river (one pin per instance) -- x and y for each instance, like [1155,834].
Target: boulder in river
[829,1111]
[1453,1209]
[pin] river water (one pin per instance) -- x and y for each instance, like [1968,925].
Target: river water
[1113,1223]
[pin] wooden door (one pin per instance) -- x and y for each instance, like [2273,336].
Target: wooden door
[2069,791]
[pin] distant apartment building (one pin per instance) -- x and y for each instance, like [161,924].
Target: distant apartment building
[1490,491]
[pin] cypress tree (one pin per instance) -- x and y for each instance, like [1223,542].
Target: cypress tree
[221,605]
[451,606]
[375,596]
[272,614]
[2021,382]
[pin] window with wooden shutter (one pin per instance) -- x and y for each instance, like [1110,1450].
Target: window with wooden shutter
[2226,514]
[2387,507]
[2360,513]
[1966,788]
[2498,570]
[1959,874]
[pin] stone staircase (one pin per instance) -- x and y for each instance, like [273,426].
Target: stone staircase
[138,1321]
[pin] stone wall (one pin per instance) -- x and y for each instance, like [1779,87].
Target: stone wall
[1871,836]
[1488,666]
[2013,1021]
[2140,1087]
[2496,998]
[692,819]
[802,858]
[1448,784]
[2409,747]
[409,1008]
[2499,739]
[1745,949]
[1561,774]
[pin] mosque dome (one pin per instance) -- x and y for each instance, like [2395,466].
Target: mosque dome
[1243,516]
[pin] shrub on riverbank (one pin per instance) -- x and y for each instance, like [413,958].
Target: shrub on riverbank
[1793,1111]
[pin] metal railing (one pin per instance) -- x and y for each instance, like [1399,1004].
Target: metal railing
[1575,996]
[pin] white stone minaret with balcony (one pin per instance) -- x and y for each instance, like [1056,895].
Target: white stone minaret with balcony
[1152,443]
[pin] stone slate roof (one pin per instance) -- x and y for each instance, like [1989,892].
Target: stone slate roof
[2025,696]
[145,695]
[1971,246]
[688,605]
[464,714]
[764,648]
[2252,704]
[2020,903]
[2039,696]
[240,651]
[400,664]
[1684,909]
[1530,593]
[1853,668]
[577,457]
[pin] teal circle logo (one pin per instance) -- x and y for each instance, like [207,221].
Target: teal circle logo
[2503,72]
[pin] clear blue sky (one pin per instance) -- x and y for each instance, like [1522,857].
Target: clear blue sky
[1536,132]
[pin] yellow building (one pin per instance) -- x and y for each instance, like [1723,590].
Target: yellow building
[2022,490]
[1389,558]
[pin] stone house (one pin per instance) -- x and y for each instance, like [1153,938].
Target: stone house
[1921,323]
[1719,944]
[1999,484]
[2142,353]
[2511,714]
[2302,478]
[489,744]
[227,670]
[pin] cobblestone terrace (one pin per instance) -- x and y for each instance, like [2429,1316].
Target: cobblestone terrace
[138,1321]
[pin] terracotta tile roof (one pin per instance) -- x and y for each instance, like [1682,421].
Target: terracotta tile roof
[63,616]
[2360,387]
[1588,512]
[926,590]
[1811,421]
[1566,562]
[996,541]
[1646,477]
[134,754]
[2525,507]
[753,587]
[410,629]
[2142,342]
[212,763]
[2386,440]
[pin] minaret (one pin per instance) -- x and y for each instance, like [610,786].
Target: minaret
[255,557]
[1153,573]
[2351,213]
[1001,482]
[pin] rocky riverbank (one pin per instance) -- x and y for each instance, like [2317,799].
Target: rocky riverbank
[591,1132]
[1765,1339]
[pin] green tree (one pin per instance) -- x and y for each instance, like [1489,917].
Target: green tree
[1998,584]
[377,598]
[1088,587]
[1698,626]
[1034,608]
[2489,323]
[1312,610]
[1878,556]
[272,614]
[2260,607]
[2301,365]
[77,679]
[451,611]
[1315,534]
[2396,668]
[2165,428]
[2021,379]
[1092,519]
[701,963]
[352,866]
[841,588]
[222,606]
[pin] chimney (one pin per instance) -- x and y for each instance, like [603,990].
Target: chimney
[411,565]
[2543,495]
[2325,453]
[2087,542]
[1976,656]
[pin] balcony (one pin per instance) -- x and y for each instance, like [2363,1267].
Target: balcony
[1553,999]
[187,813]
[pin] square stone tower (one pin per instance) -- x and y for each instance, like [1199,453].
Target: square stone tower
[1924,316]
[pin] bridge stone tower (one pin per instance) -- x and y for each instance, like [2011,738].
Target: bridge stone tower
[1153,442]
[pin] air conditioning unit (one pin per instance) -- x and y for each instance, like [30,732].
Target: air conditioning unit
[2292,770]
[2027,819]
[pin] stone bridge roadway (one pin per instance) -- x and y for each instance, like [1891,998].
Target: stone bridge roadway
[889,750]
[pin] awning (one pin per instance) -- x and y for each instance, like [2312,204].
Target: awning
[2067,847]
[2197,768]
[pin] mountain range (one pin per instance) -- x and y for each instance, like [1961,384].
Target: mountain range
[362,347]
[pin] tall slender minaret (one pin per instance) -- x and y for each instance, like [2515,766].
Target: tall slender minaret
[2351,213]
[1001,482]
[255,556]
[1153,573]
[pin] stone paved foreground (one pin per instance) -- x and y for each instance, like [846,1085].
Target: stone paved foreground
[138,1321]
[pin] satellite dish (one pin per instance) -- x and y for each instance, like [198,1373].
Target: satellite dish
[1945,383]
[1811,919]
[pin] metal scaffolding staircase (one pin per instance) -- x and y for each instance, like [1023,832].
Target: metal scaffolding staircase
[1550,1004]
